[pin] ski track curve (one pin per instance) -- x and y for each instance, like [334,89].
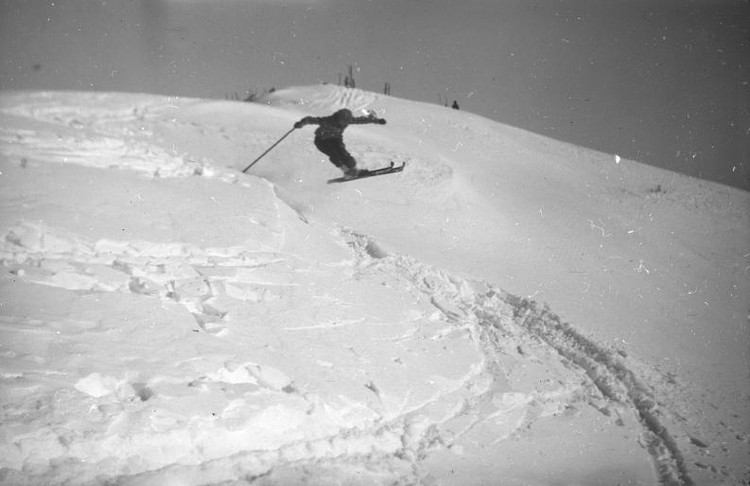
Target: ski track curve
[486,308]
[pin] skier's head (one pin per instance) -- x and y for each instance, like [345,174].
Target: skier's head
[343,117]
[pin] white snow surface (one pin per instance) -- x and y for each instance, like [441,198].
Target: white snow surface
[507,310]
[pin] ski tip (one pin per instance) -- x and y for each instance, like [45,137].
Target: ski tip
[391,169]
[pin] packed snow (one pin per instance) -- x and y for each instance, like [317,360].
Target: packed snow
[507,310]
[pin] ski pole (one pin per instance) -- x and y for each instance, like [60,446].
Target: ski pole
[269,149]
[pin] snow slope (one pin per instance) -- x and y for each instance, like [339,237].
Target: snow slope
[167,319]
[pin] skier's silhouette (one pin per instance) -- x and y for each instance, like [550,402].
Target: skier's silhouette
[329,136]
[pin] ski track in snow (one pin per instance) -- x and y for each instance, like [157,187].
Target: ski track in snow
[312,101]
[619,389]
[383,434]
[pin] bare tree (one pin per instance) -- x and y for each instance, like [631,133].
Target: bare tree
[349,80]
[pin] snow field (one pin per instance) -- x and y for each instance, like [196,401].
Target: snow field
[168,320]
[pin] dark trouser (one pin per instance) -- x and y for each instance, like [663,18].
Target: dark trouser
[336,151]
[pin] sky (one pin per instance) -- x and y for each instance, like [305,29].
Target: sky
[666,83]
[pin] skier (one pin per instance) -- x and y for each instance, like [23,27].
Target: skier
[329,137]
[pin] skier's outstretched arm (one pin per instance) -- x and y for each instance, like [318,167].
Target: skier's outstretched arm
[308,120]
[361,120]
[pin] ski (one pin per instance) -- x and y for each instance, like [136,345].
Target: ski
[370,173]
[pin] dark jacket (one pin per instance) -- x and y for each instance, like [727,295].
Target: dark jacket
[332,127]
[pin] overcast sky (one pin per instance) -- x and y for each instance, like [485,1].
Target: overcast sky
[664,82]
